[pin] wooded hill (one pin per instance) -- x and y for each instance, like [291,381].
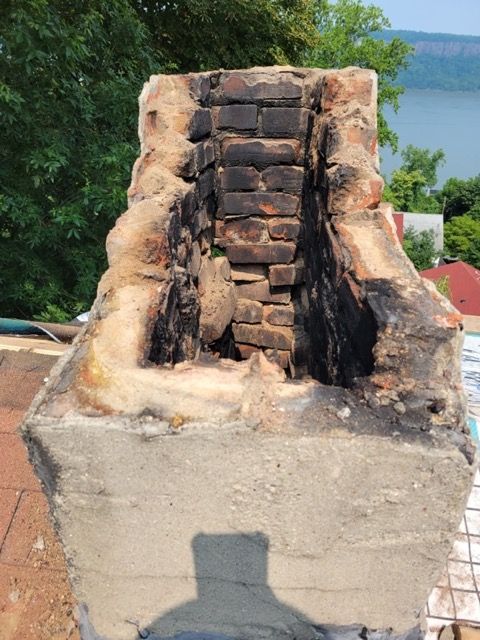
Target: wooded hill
[441,60]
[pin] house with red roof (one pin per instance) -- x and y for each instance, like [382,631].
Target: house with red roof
[462,282]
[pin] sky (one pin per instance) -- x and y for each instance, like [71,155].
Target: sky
[444,16]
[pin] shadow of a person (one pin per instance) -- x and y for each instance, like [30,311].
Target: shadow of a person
[235,602]
[234,599]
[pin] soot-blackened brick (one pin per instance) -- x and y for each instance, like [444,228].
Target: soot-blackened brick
[240,179]
[200,124]
[284,229]
[244,230]
[280,178]
[285,122]
[263,335]
[262,292]
[253,87]
[273,253]
[204,154]
[260,153]
[261,204]
[237,116]
[285,274]
[206,183]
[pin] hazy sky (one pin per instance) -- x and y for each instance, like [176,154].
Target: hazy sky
[445,16]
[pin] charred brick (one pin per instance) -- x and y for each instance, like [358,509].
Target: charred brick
[257,87]
[273,253]
[261,204]
[263,335]
[280,178]
[260,153]
[240,179]
[244,230]
[262,292]
[285,274]
[284,229]
[285,122]
[237,116]
[206,183]
[200,124]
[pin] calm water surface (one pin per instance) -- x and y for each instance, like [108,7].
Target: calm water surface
[448,120]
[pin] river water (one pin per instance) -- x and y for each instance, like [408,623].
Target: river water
[449,120]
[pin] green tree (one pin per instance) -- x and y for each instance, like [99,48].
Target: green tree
[70,74]
[423,160]
[462,239]
[347,29]
[460,197]
[197,35]
[407,187]
[420,248]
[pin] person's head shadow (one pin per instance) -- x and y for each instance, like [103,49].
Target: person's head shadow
[233,596]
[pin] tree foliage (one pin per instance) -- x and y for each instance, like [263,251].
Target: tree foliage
[420,248]
[407,187]
[460,197]
[347,29]
[70,74]
[197,35]
[462,239]
[423,160]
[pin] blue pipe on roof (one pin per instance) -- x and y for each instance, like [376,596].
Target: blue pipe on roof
[14,326]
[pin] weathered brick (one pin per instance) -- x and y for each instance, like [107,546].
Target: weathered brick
[272,253]
[249,273]
[282,314]
[285,122]
[236,116]
[240,179]
[204,154]
[261,204]
[200,124]
[282,358]
[262,292]
[206,183]
[263,335]
[243,230]
[246,350]
[285,274]
[249,311]
[250,87]
[283,229]
[200,88]
[260,153]
[280,178]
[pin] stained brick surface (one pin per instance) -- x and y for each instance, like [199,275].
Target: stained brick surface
[285,122]
[266,253]
[237,116]
[283,179]
[260,153]
[261,204]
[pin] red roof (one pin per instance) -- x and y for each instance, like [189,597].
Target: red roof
[464,285]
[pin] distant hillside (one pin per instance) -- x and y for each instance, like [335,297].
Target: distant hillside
[441,60]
